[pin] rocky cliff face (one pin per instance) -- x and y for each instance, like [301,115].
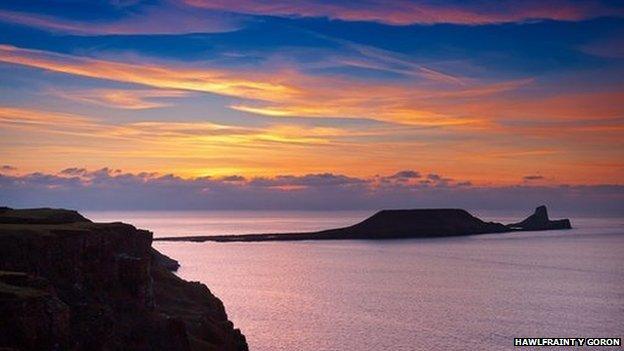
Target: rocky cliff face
[69,284]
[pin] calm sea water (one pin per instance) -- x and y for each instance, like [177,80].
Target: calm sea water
[183,223]
[467,293]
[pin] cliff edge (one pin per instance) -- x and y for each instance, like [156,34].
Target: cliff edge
[69,284]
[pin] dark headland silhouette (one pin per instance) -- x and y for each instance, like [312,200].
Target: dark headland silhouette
[67,283]
[400,224]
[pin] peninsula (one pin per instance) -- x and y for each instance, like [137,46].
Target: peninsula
[401,224]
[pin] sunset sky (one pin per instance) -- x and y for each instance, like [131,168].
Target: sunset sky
[463,94]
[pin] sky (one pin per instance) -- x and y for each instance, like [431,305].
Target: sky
[312,104]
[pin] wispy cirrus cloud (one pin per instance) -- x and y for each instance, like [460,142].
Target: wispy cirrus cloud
[406,12]
[183,78]
[211,16]
[500,128]
[370,57]
[591,116]
[405,104]
[131,99]
[18,118]
[169,133]
[188,146]
[284,92]
[198,147]
[149,20]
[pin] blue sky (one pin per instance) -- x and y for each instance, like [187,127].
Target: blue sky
[530,91]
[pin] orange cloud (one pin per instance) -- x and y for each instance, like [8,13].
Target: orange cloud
[187,147]
[595,115]
[405,12]
[137,99]
[404,104]
[469,106]
[204,148]
[165,132]
[208,81]
[26,119]
[281,93]
[570,106]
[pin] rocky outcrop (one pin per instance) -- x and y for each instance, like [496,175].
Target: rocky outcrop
[160,259]
[539,221]
[399,224]
[69,284]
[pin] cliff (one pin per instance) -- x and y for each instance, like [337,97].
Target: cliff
[400,224]
[69,284]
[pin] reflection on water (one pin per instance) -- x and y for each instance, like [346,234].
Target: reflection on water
[475,292]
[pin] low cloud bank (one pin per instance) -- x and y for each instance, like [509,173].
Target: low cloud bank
[109,189]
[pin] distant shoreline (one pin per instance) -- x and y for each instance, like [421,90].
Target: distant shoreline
[401,224]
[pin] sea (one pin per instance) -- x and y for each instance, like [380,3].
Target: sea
[464,293]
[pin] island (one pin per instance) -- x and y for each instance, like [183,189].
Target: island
[67,283]
[402,224]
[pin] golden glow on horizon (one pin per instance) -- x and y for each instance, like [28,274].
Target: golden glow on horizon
[186,148]
[447,125]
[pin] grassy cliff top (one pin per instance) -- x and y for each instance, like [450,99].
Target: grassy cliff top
[37,222]
[40,216]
